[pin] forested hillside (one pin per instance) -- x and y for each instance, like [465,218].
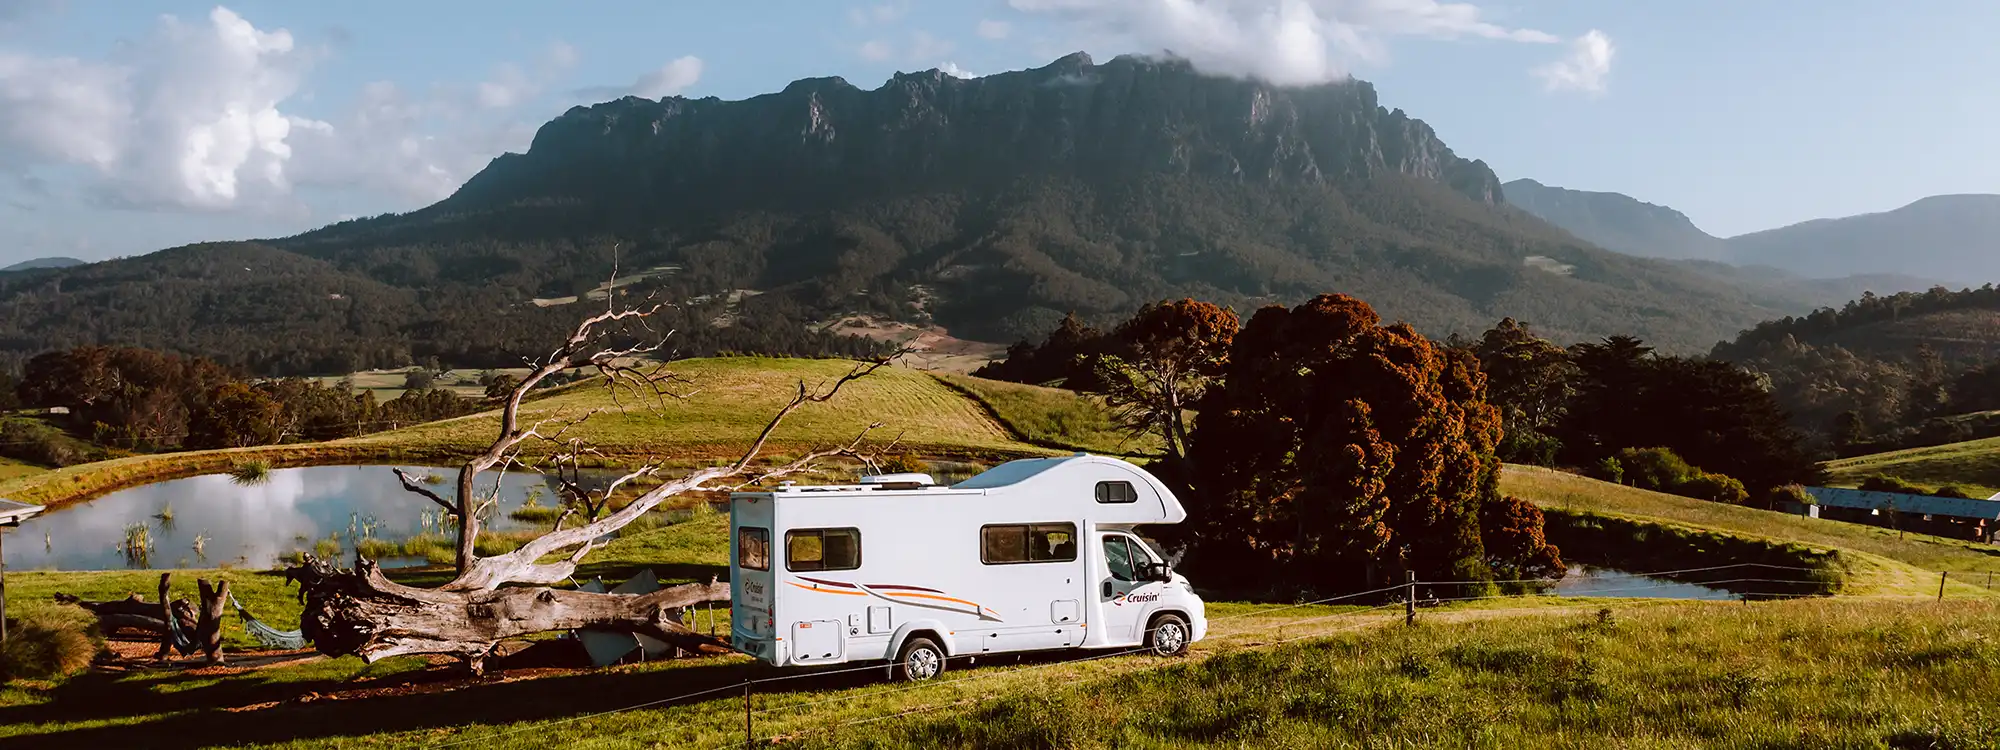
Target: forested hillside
[992,206]
[1884,371]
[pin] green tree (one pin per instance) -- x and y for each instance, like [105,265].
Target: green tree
[499,386]
[418,380]
[237,416]
[1169,354]
[1531,381]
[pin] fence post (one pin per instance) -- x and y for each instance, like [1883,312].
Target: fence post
[1942,574]
[749,737]
[1409,597]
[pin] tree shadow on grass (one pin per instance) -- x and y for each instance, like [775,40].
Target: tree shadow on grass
[203,715]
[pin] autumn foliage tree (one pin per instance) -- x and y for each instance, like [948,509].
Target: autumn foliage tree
[1339,452]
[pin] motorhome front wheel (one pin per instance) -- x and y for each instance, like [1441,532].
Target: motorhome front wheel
[1170,635]
[922,659]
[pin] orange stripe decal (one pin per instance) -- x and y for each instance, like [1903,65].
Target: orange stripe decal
[826,591]
[903,594]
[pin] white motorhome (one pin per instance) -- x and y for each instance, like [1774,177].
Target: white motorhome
[1031,555]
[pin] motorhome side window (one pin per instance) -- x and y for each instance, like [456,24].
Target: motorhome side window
[1116,492]
[822,549]
[753,548]
[1027,543]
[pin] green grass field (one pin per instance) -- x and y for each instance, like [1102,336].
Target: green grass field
[1879,560]
[728,400]
[388,384]
[1054,417]
[1795,675]
[1973,465]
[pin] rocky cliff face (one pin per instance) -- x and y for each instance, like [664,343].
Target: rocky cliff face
[824,138]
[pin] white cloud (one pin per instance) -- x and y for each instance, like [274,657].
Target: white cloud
[198,115]
[184,117]
[1584,69]
[390,142]
[952,69]
[875,49]
[1285,42]
[510,86]
[669,79]
[990,29]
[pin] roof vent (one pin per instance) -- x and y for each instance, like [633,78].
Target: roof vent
[909,481]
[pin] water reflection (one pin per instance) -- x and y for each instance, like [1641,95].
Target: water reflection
[1590,580]
[249,525]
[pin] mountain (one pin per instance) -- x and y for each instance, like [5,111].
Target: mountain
[1617,222]
[991,206]
[1627,225]
[40,263]
[1951,237]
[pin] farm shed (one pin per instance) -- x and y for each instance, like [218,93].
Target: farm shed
[1954,517]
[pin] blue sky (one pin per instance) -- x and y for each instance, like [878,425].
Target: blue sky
[127,127]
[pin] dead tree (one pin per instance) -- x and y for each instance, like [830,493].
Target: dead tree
[492,599]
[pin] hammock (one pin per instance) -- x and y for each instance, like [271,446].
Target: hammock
[181,640]
[288,640]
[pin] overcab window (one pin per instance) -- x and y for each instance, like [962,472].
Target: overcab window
[1117,492]
[1027,543]
[822,549]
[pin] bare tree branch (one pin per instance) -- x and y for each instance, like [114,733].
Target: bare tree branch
[522,566]
[413,486]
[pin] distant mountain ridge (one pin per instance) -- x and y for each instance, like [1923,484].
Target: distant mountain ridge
[1617,222]
[992,206]
[1951,237]
[1945,239]
[41,263]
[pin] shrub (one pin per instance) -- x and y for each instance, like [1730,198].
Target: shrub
[1720,488]
[1892,484]
[1609,470]
[49,643]
[1529,447]
[43,444]
[1657,469]
[1787,493]
[418,380]
[902,463]
[1952,490]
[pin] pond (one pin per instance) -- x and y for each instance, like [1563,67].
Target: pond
[253,525]
[1592,580]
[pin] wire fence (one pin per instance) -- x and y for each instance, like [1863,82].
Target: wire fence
[1221,633]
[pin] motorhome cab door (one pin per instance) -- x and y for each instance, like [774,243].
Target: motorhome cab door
[1124,597]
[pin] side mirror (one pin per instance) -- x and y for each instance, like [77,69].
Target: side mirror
[1158,572]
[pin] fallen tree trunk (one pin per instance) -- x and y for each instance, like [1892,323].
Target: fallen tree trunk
[133,613]
[361,612]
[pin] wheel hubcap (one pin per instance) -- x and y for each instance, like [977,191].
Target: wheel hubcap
[923,664]
[1169,639]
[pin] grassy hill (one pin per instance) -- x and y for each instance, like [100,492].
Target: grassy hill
[1877,560]
[726,402]
[1973,465]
